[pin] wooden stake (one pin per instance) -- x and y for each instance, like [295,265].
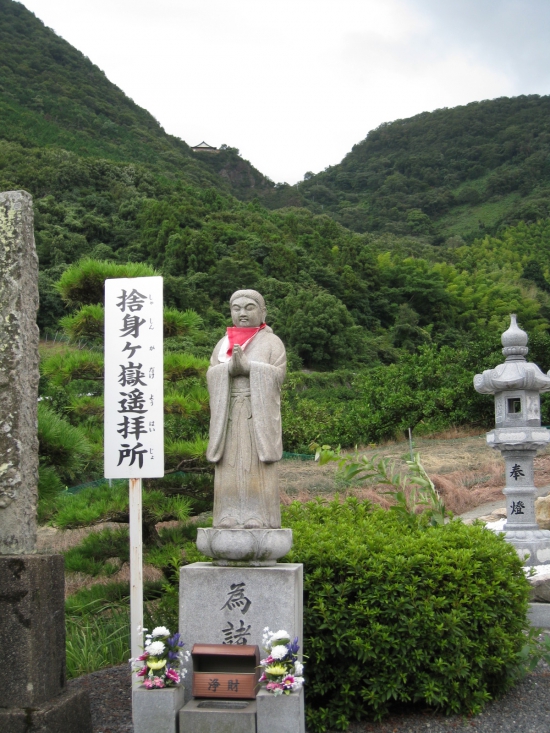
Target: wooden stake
[136,570]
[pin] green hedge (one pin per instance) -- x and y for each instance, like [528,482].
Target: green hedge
[398,615]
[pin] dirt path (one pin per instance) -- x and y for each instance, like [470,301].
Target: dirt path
[466,472]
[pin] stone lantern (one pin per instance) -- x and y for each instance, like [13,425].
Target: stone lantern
[518,435]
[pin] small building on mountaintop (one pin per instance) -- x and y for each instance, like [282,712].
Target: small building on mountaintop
[204,148]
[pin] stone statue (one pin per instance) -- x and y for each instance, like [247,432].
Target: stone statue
[247,369]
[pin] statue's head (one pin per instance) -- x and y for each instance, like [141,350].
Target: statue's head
[247,309]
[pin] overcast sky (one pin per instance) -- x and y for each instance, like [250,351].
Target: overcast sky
[295,83]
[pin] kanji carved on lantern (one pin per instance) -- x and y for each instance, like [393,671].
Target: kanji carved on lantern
[518,435]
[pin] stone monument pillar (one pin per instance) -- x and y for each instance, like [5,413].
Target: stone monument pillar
[32,600]
[244,589]
[518,435]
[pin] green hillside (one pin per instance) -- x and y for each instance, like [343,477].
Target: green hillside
[374,318]
[51,95]
[453,172]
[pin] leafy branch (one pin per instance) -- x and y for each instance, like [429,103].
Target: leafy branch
[413,491]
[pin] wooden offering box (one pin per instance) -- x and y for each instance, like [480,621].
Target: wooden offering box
[225,670]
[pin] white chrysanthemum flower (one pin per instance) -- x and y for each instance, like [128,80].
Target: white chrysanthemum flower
[281,634]
[279,652]
[298,682]
[160,631]
[155,648]
[298,668]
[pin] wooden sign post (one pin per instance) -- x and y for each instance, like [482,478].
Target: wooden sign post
[134,414]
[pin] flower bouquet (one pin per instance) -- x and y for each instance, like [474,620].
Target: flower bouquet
[282,672]
[161,664]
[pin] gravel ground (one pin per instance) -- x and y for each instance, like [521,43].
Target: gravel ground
[525,709]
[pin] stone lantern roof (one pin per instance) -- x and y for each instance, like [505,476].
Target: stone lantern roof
[516,372]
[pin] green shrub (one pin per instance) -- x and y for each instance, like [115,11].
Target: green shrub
[96,597]
[62,446]
[87,323]
[110,503]
[91,555]
[91,505]
[397,614]
[83,283]
[49,487]
[61,369]
[178,323]
[183,366]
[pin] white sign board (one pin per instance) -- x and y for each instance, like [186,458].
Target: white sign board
[134,415]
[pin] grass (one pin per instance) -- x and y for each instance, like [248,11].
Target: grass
[97,618]
[51,348]
[97,623]
[97,640]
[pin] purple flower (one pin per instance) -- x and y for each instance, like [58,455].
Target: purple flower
[174,640]
[142,657]
[143,671]
[293,646]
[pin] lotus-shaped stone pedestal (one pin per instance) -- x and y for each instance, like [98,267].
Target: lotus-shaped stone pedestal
[255,547]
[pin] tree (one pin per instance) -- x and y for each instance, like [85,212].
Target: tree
[318,327]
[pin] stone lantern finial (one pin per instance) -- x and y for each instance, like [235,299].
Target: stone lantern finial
[514,341]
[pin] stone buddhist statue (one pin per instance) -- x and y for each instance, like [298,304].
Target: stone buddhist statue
[246,372]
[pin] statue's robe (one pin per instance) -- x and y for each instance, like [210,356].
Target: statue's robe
[245,433]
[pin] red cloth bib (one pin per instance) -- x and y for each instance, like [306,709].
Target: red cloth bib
[241,336]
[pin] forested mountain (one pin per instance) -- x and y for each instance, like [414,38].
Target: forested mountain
[411,291]
[51,95]
[463,171]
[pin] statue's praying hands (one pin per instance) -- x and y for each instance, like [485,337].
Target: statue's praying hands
[239,366]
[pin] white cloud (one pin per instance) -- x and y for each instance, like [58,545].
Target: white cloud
[295,83]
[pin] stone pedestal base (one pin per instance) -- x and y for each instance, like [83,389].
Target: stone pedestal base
[281,713]
[32,639]
[247,547]
[156,711]
[219,716]
[233,605]
[32,631]
[267,714]
[68,712]
[532,545]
